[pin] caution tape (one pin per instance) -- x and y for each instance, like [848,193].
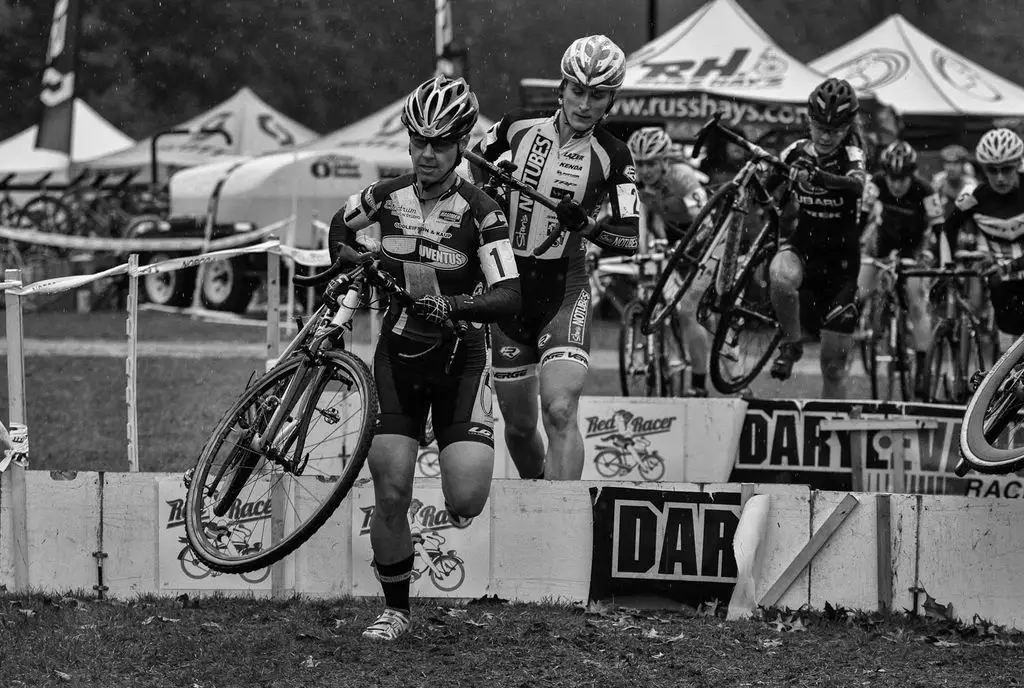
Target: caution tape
[173,264]
[4,286]
[309,257]
[34,236]
[59,284]
[322,226]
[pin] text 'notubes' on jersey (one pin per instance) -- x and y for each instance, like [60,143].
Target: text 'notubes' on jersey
[589,168]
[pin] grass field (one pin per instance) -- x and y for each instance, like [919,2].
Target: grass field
[221,643]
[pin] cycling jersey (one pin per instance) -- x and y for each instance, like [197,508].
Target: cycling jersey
[905,220]
[990,221]
[675,198]
[827,218]
[588,168]
[461,242]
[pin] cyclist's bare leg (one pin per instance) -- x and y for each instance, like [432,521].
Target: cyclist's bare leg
[561,384]
[517,400]
[466,470]
[835,349]
[786,273]
[866,281]
[695,337]
[392,461]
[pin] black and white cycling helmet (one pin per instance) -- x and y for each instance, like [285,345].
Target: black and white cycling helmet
[441,108]
[649,143]
[833,103]
[998,147]
[594,62]
[899,159]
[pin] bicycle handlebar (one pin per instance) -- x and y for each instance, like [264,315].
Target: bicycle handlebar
[714,124]
[513,183]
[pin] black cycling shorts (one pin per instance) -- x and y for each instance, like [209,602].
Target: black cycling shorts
[828,294]
[1008,304]
[553,323]
[907,246]
[460,399]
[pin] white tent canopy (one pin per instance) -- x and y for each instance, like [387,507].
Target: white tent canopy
[246,126]
[380,138]
[92,136]
[719,50]
[917,75]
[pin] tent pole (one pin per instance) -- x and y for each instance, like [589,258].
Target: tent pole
[652,19]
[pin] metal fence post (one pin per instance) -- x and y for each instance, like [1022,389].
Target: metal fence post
[18,413]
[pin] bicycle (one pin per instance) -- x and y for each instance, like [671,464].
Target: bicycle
[301,406]
[957,338]
[997,402]
[650,364]
[885,339]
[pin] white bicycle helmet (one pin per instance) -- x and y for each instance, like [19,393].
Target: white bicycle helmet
[999,146]
[594,62]
[441,108]
[649,143]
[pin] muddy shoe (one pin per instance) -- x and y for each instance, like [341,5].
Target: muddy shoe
[789,354]
[390,625]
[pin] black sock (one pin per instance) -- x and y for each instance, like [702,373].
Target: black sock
[919,359]
[698,380]
[395,581]
[539,476]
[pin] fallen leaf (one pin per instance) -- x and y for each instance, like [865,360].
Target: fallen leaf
[63,676]
[770,642]
[167,619]
[797,626]
[338,623]
[474,623]
[658,656]
[149,620]
[600,608]
[651,633]
[676,638]
[310,663]
[212,625]
[29,613]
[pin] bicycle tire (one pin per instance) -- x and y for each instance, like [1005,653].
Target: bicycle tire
[975,448]
[904,369]
[941,385]
[357,374]
[629,331]
[761,257]
[657,310]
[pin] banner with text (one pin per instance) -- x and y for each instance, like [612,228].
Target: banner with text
[670,544]
[782,442]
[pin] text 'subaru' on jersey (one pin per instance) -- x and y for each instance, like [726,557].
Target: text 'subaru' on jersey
[589,168]
[827,218]
[462,242]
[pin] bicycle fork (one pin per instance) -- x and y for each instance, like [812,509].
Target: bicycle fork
[289,418]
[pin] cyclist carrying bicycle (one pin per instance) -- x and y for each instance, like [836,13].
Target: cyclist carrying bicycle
[569,157]
[956,176]
[673,192]
[990,218]
[440,237]
[814,275]
[911,211]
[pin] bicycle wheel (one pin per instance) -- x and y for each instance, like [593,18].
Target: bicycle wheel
[748,331]
[901,356]
[336,425]
[637,373]
[991,412]
[683,266]
[942,368]
[673,358]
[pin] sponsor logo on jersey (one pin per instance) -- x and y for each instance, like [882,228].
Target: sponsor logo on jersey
[542,342]
[578,319]
[510,352]
[570,166]
[413,249]
[513,374]
[450,216]
[532,171]
[630,173]
[481,431]
[399,209]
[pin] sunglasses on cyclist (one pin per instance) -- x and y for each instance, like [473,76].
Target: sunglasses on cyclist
[436,142]
[1004,170]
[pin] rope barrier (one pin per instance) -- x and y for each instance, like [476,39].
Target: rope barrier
[34,236]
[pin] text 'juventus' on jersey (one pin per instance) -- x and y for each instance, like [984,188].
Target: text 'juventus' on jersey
[460,246]
[589,168]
